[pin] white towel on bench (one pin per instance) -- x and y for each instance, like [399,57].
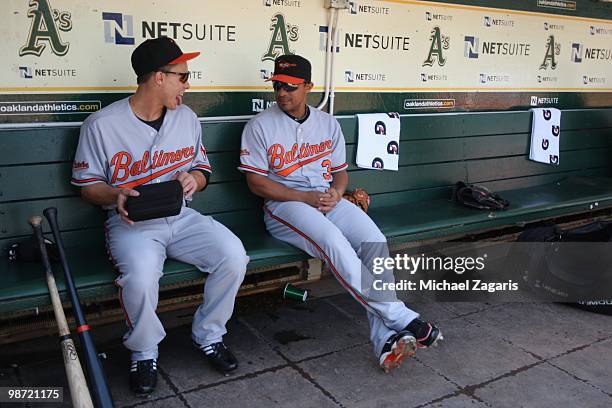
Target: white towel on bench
[378,142]
[545,134]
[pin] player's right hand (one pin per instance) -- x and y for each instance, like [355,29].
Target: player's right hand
[122,197]
[315,198]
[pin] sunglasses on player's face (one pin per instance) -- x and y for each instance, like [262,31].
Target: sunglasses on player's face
[278,85]
[183,76]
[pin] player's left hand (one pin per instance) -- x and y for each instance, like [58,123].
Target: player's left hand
[188,182]
[329,200]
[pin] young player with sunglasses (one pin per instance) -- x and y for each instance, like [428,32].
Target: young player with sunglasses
[147,138]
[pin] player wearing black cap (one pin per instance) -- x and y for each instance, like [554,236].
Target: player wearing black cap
[148,138]
[294,157]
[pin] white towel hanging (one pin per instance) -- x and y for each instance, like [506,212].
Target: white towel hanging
[378,141]
[545,134]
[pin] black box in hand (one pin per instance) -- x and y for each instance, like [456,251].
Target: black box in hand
[156,200]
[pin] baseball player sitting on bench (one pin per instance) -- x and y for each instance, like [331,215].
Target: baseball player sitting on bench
[293,156]
[151,137]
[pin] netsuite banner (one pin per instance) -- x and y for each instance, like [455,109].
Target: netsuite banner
[395,46]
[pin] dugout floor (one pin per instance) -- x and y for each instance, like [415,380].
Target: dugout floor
[317,354]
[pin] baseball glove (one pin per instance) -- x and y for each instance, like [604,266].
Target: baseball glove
[359,197]
[475,196]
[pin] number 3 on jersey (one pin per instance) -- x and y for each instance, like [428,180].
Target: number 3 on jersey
[327,165]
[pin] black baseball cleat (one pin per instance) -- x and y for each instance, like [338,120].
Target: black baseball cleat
[426,334]
[396,349]
[143,376]
[219,357]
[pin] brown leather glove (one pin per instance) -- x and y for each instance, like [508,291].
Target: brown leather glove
[359,197]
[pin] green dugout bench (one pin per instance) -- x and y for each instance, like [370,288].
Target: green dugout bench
[436,150]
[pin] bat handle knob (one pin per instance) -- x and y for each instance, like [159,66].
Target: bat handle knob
[35,220]
[50,212]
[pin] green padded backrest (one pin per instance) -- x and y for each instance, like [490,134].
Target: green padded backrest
[436,150]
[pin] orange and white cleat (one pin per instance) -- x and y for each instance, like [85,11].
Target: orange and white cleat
[396,349]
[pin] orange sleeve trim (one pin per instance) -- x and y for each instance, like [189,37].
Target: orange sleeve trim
[341,167]
[83,181]
[250,168]
[203,167]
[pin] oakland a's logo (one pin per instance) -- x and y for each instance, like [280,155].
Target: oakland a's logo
[46,24]
[282,33]
[439,42]
[552,49]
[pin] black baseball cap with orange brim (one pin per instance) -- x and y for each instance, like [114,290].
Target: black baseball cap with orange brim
[291,69]
[155,53]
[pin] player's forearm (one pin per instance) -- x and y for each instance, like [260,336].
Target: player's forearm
[272,190]
[100,194]
[340,181]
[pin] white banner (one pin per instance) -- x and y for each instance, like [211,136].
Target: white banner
[70,46]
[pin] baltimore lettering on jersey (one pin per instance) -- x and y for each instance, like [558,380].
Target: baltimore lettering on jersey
[123,166]
[278,157]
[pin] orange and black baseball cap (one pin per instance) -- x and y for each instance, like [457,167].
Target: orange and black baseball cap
[292,69]
[155,53]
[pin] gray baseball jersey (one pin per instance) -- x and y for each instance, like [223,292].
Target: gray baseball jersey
[304,156]
[301,156]
[117,148]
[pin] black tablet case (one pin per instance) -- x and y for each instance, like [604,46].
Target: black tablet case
[155,201]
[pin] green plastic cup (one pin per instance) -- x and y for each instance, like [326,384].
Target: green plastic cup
[291,292]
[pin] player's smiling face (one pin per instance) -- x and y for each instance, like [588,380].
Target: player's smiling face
[294,102]
[173,88]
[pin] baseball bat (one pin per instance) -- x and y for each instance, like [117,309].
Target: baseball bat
[76,379]
[100,390]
